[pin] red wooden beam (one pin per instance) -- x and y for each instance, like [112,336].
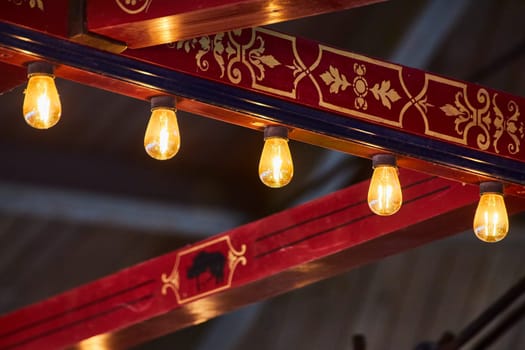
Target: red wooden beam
[42,15]
[145,23]
[315,75]
[273,255]
[323,79]
[111,25]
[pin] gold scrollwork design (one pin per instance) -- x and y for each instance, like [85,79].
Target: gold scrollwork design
[171,281]
[467,116]
[32,3]
[127,6]
[235,56]
[259,60]
[485,116]
[229,53]
[512,126]
[204,45]
[236,257]
[252,55]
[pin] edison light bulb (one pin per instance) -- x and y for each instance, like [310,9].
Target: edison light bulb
[42,108]
[384,194]
[491,222]
[276,166]
[162,138]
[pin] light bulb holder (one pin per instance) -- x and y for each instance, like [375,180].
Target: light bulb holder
[163,101]
[383,159]
[40,67]
[276,131]
[491,187]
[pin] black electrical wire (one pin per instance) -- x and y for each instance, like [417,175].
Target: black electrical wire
[503,326]
[486,317]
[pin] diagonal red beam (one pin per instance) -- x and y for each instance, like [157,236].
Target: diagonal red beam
[273,255]
[145,23]
[111,25]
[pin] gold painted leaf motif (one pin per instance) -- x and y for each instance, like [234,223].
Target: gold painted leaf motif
[269,60]
[385,93]
[450,110]
[335,80]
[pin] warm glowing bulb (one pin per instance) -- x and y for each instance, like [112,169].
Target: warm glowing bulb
[276,166]
[384,194]
[42,108]
[162,138]
[491,222]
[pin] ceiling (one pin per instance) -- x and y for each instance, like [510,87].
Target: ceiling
[83,199]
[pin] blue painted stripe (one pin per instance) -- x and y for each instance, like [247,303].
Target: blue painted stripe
[263,106]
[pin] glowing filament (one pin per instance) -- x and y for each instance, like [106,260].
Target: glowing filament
[384,194]
[42,108]
[491,222]
[276,166]
[162,138]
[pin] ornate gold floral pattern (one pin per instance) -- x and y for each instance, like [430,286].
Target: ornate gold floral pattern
[444,106]
[335,80]
[511,125]
[32,3]
[338,82]
[385,93]
[259,60]
[227,51]
[134,7]
[467,116]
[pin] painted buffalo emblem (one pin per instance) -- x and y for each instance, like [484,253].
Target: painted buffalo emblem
[211,262]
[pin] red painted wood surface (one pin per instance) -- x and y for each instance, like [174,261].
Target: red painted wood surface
[143,23]
[48,16]
[315,75]
[349,84]
[270,256]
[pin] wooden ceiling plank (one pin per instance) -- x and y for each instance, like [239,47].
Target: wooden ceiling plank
[146,23]
[282,252]
[118,24]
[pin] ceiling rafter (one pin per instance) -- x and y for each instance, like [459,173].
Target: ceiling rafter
[284,251]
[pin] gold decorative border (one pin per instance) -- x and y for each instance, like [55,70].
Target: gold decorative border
[381,91]
[172,281]
[298,67]
[228,52]
[460,116]
[488,118]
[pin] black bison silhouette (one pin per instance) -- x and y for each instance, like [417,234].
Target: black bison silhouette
[213,262]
